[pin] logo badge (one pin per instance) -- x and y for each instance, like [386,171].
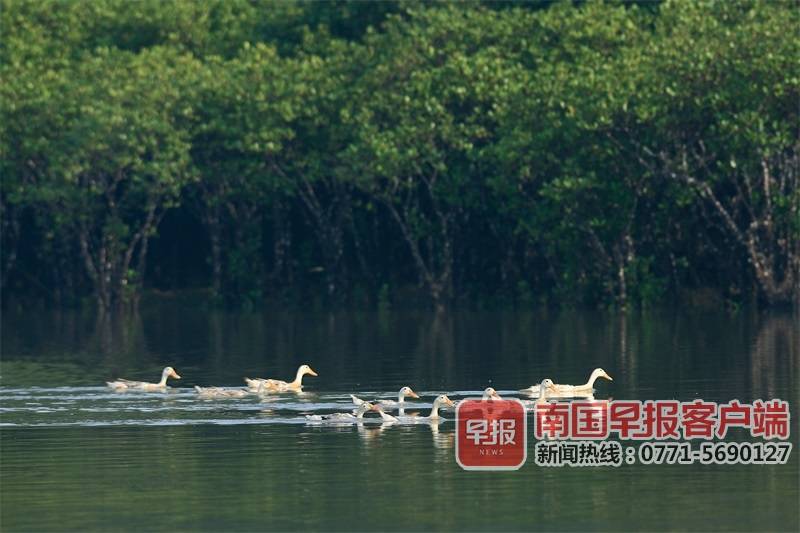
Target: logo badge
[491,434]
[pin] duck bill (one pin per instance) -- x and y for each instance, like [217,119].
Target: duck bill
[311,372]
[609,378]
[175,375]
[413,394]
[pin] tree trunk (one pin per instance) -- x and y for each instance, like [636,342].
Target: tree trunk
[367,273]
[624,256]
[771,251]
[214,225]
[109,270]
[281,245]
[744,209]
[437,278]
[10,237]
[327,222]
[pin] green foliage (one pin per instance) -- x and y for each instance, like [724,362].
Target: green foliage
[580,152]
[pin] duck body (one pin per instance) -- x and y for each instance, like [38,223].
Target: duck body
[276,385]
[356,416]
[121,385]
[386,418]
[571,391]
[255,383]
[334,417]
[271,385]
[567,391]
[219,392]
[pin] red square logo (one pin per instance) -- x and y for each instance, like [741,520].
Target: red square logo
[491,434]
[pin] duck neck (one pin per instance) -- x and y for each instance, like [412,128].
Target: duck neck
[590,384]
[542,399]
[401,404]
[298,379]
[163,381]
[386,417]
[435,410]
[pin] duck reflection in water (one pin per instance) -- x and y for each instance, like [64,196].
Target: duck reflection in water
[442,440]
[370,433]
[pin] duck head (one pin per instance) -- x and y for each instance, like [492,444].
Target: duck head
[546,387]
[490,394]
[600,373]
[305,370]
[169,372]
[443,400]
[406,392]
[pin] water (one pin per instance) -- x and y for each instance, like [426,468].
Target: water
[76,456]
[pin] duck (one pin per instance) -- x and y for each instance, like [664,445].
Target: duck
[405,392]
[276,385]
[126,384]
[547,387]
[385,417]
[438,403]
[357,415]
[219,392]
[572,390]
[490,394]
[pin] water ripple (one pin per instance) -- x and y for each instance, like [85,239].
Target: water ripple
[99,407]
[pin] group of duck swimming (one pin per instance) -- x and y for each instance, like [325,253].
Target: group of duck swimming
[543,392]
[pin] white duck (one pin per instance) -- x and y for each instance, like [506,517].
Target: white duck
[219,392]
[438,403]
[546,388]
[360,411]
[126,384]
[384,416]
[490,394]
[276,385]
[404,393]
[571,390]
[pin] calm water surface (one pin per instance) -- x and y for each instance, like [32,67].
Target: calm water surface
[76,456]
